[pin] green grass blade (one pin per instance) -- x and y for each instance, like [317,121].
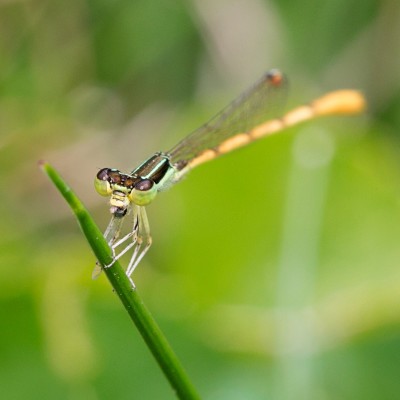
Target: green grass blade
[128,295]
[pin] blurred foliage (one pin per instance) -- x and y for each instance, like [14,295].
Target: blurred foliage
[274,270]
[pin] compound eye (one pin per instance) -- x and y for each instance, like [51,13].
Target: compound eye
[103,174]
[144,192]
[144,185]
[101,183]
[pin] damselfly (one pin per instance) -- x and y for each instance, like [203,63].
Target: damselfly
[253,115]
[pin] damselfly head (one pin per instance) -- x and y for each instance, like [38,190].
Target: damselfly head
[109,180]
[124,189]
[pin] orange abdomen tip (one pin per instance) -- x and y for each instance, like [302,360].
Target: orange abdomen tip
[340,102]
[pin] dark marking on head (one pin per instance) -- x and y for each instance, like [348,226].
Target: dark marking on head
[103,174]
[144,185]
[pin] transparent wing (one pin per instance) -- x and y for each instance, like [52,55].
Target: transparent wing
[259,103]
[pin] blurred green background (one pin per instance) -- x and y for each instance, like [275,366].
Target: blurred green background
[274,270]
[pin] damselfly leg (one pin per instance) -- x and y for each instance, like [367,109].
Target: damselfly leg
[143,240]
[139,239]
